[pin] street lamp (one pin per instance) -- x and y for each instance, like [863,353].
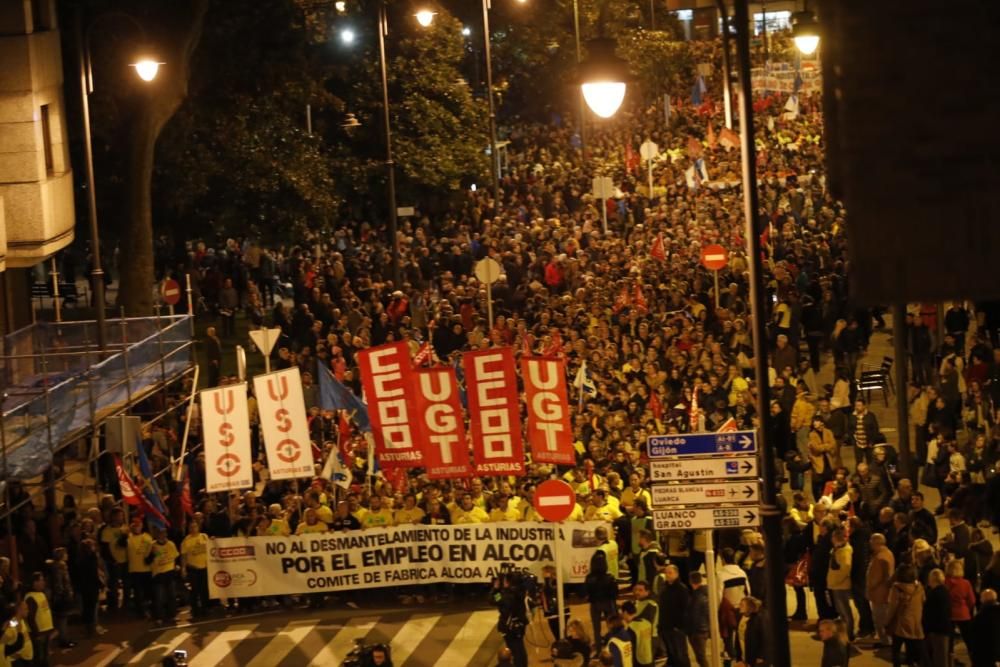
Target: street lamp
[347,36]
[425,17]
[805,32]
[603,77]
[146,68]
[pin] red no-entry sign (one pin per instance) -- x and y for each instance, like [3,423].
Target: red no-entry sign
[171,292]
[554,500]
[714,257]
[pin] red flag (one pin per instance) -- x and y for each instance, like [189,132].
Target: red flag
[186,503]
[130,493]
[729,139]
[694,149]
[728,426]
[639,300]
[494,411]
[549,430]
[555,348]
[446,449]
[388,380]
[622,300]
[658,249]
[656,405]
[525,345]
[710,136]
[423,355]
[693,412]
[631,158]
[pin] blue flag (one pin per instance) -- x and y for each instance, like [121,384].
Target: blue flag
[463,397]
[698,90]
[335,396]
[149,489]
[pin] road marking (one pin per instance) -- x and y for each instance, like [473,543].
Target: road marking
[337,649]
[468,640]
[160,647]
[410,635]
[221,646]
[287,638]
[549,501]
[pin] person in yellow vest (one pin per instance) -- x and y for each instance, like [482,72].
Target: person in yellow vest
[354,505]
[469,512]
[194,568]
[503,510]
[619,642]
[641,631]
[19,622]
[113,538]
[409,512]
[377,516]
[311,523]
[599,508]
[140,580]
[39,619]
[647,608]
[610,549]
[163,563]
[323,511]
[279,524]
[633,491]
[12,638]
[649,548]
[480,498]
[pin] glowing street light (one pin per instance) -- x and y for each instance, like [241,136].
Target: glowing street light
[146,68]
[466,31]
[805,32]
[604,77]
[425,17]
[347,36]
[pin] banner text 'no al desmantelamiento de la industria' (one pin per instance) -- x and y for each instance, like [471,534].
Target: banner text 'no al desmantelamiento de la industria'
[399,556]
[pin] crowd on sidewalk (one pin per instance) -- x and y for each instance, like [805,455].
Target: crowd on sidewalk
[666,354]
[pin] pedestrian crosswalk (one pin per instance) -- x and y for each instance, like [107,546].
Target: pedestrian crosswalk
[416,639]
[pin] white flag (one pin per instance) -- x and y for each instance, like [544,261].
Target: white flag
[283,424]
[226,430]
[335,471]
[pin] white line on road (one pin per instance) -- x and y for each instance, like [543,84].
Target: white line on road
[160,647]
[410,635]
[221,646]
[337,649]
[468,640]
[283,643]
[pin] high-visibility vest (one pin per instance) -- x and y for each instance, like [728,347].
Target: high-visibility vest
[624,647]
[43,615]
[27,652]
[8,637]
[643,640]
[640,606]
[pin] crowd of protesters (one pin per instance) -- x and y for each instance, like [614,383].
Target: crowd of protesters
[667,355]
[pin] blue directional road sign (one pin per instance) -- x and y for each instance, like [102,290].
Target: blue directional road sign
[701,444]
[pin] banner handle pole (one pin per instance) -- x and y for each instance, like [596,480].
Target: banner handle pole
[560,601]
[713,597]
[187,424]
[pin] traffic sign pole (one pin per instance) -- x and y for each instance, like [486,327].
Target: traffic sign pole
[560,599]
[713,597]
[554,501]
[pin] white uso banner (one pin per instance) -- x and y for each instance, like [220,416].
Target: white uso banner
[283,424]
[399,556]
[226,429]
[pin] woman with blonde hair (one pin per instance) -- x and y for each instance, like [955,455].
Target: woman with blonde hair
[749,642]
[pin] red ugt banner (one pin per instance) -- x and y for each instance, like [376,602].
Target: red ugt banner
[446,452]
[548,410]
[388,381]
[494,411]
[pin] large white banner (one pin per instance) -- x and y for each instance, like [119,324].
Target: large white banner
[226,429]
[283,424]
[400,556]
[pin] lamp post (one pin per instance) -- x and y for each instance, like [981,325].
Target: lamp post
[727,96]
[777,627]
[494,154]
[603,77]
[579,60]
[146,69]
[805,31]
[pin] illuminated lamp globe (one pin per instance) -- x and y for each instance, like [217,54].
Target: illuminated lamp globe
[603,77]
[805,32]
[147,69]
[425,17]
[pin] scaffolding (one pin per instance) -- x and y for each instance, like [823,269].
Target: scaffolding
[58,387]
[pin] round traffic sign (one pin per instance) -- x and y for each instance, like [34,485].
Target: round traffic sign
[170,290]
[649,150]
[554,500]
[488,270]
[714,257]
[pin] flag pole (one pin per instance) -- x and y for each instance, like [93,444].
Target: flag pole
[187,425]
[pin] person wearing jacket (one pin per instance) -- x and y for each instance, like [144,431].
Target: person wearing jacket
[749,644]
[985,631]
[862,430]
[937,620]
[675,605]
[835,647]
[961,599]
[838,578]
[822,455]
[878,581]
[906,614]
[602,591]
[697,621]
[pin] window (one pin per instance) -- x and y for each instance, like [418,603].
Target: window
[684,14]
[47,139]
[776,21]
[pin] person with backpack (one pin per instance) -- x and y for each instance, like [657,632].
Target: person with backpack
[602,591]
